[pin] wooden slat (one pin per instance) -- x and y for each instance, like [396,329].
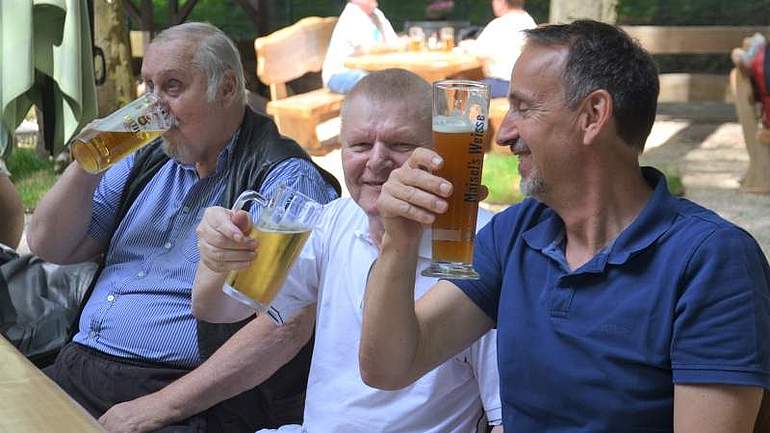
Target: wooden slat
[293,51]
[311,104]
[692,39]
[694,88]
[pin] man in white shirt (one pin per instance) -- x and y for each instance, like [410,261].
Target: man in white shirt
[384,118]
[360,28]
[500,43]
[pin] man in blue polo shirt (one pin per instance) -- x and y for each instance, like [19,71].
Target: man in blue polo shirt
[619,307]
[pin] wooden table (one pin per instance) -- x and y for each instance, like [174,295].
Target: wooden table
[430,65]
[32,403]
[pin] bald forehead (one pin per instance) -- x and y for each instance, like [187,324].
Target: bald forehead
[404,121]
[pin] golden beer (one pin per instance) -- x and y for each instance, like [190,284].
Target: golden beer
[106,141]
[454,230]
[276,252]
[460,110]
[102,149]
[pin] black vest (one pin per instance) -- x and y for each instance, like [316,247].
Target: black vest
[258,149]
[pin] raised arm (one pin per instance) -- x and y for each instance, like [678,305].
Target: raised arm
[57,231]
[223,247]
[402,340]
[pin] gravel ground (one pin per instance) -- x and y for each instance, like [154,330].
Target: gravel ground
[711,159]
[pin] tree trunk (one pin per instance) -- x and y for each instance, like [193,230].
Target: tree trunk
[111,35]
[566,11]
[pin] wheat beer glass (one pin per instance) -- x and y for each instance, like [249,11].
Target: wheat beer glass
[460,117]
[283,227]
[106,141]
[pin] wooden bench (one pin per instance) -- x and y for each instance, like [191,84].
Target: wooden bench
[757,177]
[285,55]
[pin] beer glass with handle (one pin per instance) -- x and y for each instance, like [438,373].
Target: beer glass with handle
[460,119]
[283,227]
[106,141]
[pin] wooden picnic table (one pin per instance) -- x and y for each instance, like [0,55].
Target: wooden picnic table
[430,65]
[32,403]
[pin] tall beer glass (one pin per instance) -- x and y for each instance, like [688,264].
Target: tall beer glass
[106,141]
[460,117]
[283,227]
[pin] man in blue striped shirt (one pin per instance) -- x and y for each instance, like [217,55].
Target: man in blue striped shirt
[136,333]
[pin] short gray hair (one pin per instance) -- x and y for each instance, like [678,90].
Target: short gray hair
[392,85]
[215,54]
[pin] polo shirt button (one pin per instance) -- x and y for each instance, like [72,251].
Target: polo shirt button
[92,334]
[167,245]
[140,274]
[186,209]
[110,298]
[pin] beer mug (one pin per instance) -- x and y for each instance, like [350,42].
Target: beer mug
[460,118]
[447,38]
[106,141]
[281,231]
[416,39]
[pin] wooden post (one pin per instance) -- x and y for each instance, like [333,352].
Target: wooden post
[111,35]
[566,11]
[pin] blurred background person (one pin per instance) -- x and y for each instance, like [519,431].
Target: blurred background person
[360,28]
[499,44]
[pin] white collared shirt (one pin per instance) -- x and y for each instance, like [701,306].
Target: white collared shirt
[332,271]
[500,43]
[355,30]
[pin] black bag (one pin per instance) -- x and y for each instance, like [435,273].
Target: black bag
[39,302]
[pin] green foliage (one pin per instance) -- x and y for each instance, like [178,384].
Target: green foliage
[501,177]
[692,12]
[674,181]
[32,175]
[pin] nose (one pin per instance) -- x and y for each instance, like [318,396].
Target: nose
[379,158]
[509,129]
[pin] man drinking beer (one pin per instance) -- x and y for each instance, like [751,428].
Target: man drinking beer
[385,117]
[135,359]
[619,308]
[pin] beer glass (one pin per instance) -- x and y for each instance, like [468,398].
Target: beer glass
[283,227]
[416,39]
[460,117]
[106,141]
[447,37]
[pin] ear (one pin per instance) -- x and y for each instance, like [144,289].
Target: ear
[228,88]
[596,110]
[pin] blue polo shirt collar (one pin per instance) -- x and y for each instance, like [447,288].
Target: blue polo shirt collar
[655,219]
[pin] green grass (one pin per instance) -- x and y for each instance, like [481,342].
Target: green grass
[674,181]
[501,176]
[32,175]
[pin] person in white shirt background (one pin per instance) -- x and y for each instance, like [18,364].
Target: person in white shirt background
[499,44]
[361,28]
[385,117]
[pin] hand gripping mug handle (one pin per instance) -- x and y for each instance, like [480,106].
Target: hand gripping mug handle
[248,196]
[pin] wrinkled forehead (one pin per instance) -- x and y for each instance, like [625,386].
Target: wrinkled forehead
[403,121]
[174,55]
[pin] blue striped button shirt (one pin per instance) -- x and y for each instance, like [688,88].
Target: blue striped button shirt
[141,306]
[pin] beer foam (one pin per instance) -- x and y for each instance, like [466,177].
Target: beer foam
[452,125]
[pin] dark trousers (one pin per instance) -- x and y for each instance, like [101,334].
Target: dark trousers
[98,381]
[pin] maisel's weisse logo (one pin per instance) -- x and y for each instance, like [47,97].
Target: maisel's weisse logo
[475,148]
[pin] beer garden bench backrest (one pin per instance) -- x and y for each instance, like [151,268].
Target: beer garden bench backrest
[285,55]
